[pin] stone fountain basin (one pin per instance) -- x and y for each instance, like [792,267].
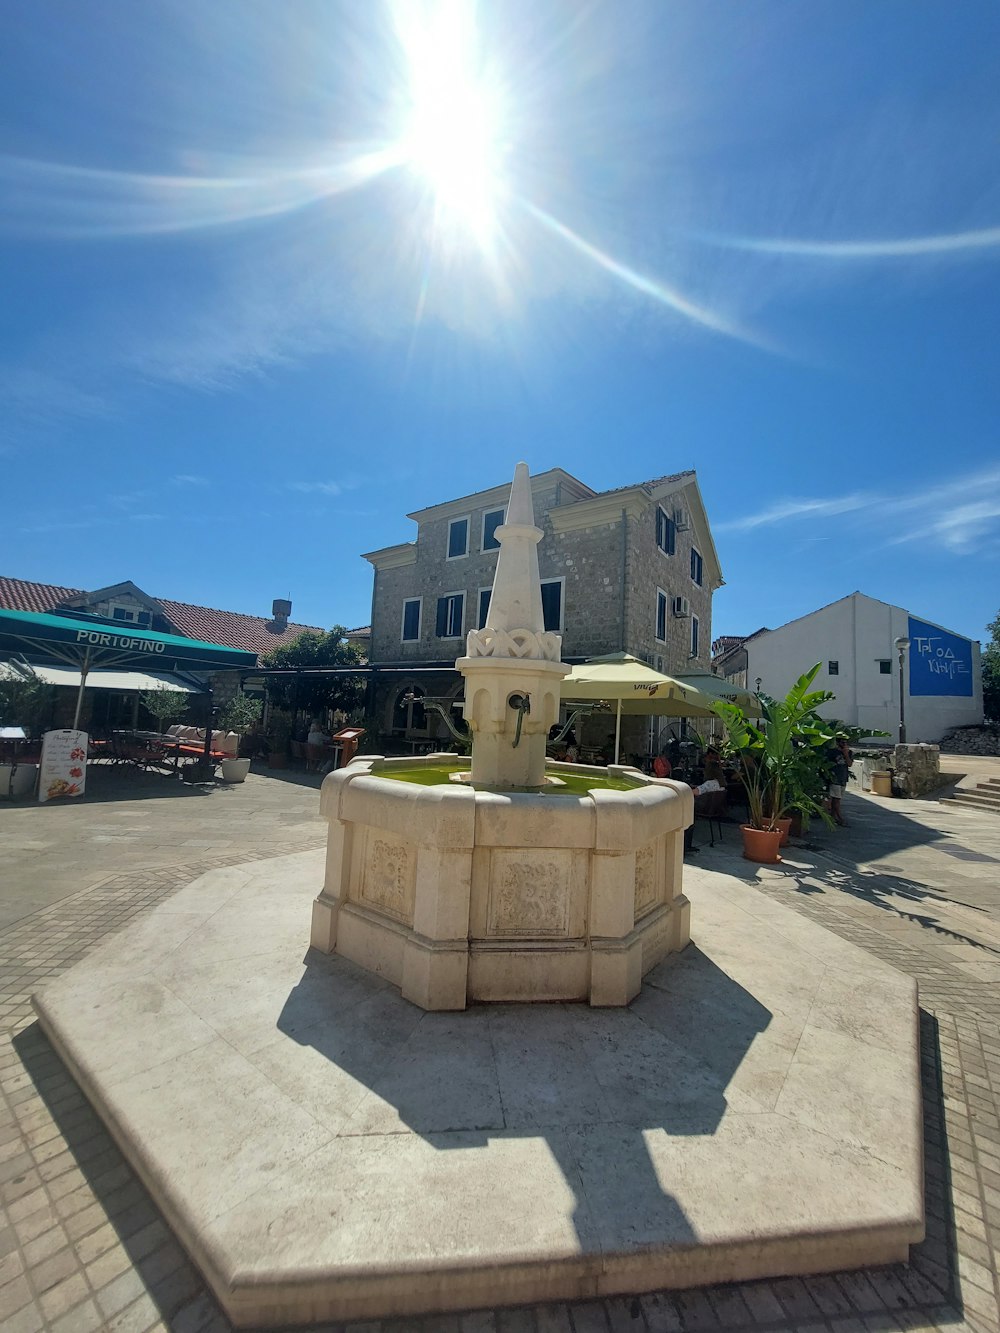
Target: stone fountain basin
[457,894]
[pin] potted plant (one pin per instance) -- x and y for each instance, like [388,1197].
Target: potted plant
[239,715]
[769,756]
[165,704]
[279,734]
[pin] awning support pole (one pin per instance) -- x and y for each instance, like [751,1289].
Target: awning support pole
[84,668]
[618,731]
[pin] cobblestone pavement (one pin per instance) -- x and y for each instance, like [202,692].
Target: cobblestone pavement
[82,1246]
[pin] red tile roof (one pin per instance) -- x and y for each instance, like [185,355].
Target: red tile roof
[19,595]
[254,634]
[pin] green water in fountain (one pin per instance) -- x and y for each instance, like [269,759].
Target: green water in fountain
[573,784]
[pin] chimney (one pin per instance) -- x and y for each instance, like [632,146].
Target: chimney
[280,611]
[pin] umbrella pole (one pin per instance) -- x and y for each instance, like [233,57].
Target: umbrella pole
[84,668]
[618,730]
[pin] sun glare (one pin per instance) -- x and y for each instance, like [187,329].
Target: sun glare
[451,133]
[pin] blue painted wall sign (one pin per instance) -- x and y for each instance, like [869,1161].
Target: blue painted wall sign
[940,663]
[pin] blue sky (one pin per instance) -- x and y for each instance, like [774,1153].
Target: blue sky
[251,318]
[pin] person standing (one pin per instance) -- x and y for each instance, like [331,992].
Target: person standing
[841,760]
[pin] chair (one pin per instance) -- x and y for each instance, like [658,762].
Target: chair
[712,808]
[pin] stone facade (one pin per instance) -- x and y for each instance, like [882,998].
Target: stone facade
[602,548]
[916,769]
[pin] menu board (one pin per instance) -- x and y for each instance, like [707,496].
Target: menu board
[64,764]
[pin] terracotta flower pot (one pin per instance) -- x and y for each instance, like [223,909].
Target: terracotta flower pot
[761,844]
[785,825]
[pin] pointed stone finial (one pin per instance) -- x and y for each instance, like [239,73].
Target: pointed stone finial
[516,601]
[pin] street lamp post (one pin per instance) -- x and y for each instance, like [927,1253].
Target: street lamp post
[901,644]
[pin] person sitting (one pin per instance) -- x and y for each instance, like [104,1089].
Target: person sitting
[316,735]
[713,766]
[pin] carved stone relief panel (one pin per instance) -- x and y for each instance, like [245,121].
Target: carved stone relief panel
[388,874]
[646,879]
[530,892]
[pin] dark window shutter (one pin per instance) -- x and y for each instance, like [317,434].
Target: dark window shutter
[442,617]
[551,605]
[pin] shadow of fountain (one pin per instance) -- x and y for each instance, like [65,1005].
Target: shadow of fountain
[593,1083]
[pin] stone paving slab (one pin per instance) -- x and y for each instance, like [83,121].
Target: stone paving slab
[507,1154]
[105,1258]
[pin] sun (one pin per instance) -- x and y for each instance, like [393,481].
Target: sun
[452,128]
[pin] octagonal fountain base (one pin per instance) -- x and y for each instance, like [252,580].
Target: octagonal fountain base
[326,1151]
[458,895]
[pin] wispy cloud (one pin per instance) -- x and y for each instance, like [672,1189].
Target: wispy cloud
[784,510]
[955,243]
[962,516]
[317,487]
[188,479]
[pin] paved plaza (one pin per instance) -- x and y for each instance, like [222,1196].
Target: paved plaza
[83,1247]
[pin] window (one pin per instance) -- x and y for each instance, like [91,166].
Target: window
[662,607]
[884,666]
[694,636]
[697,567]
[411,620]
[491,521]
[666,532]
[120,613]
[833,668]
[552,590]
[450,613]
[484,606]
[458,538]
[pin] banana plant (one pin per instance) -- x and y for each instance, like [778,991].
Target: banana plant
[771,754]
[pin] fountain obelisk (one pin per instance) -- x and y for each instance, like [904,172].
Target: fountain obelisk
[513,666]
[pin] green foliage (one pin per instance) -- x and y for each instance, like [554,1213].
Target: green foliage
[312,694]
[165,704]
[25,699]
[991,673]
[781,756]
[240,714]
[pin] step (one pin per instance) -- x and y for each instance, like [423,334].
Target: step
[992,783]
[973,800]
[983,793]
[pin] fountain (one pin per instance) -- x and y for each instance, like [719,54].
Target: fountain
[518,879]
[325,1150]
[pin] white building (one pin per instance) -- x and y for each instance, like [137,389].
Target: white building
[854,642]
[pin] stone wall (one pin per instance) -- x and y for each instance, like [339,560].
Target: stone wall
[611,571]
[917,769]
[973,740]
[650,570]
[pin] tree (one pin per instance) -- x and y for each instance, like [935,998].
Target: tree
[165,704]
[25,699]
[991,673]
[312,694]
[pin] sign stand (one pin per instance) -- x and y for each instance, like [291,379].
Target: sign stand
[63,770]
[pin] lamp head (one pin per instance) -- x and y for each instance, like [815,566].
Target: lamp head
[901,643]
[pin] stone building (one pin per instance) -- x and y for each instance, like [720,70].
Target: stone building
[631,569]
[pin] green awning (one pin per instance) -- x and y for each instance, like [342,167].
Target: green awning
[50,638]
